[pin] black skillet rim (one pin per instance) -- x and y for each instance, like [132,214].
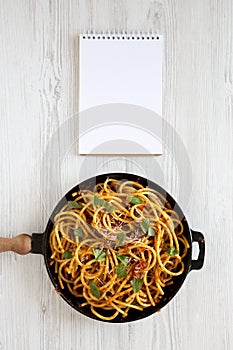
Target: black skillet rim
[170,292]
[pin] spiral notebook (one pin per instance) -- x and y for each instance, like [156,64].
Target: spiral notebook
[120,94]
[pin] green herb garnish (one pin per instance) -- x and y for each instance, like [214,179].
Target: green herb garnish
[78,232]
[95,290]
[172,251]
[135,200]
[99,254]
[136,284]
[151,231]
[145,225]
[124,259]
[121,271]
[99,201]
[67,254]
[74,205]
[121,238]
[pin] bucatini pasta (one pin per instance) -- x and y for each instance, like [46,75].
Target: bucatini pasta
[117,246]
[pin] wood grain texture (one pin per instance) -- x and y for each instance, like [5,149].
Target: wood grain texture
[39,90]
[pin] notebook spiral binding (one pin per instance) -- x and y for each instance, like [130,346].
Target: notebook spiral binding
[120,36]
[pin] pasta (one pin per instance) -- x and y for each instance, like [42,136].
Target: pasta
[116,247]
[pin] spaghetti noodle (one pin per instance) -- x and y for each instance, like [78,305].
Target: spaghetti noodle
[116,247]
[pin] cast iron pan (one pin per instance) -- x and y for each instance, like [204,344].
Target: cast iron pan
[38,244]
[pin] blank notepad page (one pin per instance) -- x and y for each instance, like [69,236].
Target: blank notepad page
[120,89]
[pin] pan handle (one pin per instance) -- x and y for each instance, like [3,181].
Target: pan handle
[38,243]
[23,244]
[198,237]
[20,244]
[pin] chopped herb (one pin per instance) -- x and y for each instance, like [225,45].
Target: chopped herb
[135,200]
[74,205]
[151,231]
[121,271]
[121,238]
[95,290]
[96,200]
[99,254]
[110,208]
[67,254]
[136,284]
[99,201]
[172,251]
[124,259]
[78,232]
[145,225]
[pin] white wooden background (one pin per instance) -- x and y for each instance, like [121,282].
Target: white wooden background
[39,89]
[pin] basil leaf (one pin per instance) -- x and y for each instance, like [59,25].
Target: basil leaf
[96,200]
[124,259]
[78,232]
[145,225]
[99,201]
[121,238]
[74,205]
[110,208]
[136,284]
[121,271]
[99,254]
[172,251]
[67,254]
[135,200]
[151,232]
[95,290]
